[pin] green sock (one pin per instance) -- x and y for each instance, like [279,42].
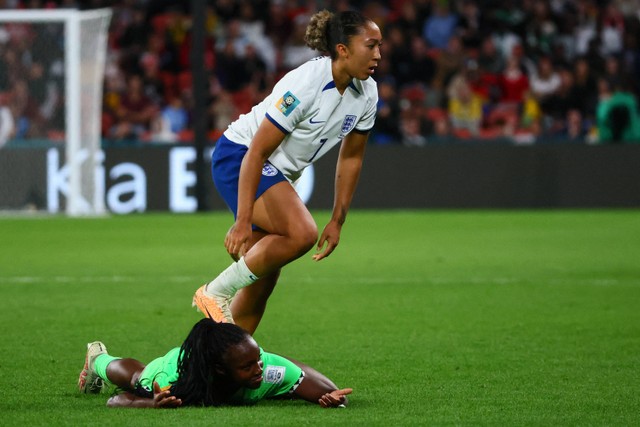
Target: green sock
[101,363]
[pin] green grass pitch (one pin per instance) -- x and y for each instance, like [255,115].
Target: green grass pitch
[433,317]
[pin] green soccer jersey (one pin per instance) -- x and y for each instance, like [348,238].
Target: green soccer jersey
[280,376]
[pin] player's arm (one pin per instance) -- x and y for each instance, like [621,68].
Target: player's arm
[347,174]
[317,388]
[160,399]
[265,141]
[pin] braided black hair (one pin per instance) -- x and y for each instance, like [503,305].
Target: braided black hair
[201,357]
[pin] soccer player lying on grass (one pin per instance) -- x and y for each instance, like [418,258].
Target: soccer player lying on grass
[218,364]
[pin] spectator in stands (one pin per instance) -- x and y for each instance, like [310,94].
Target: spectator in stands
[617,114]
[253,29]
[594,58]
[448,63]
[614,73]
[159,46]
[441,129]
[557,105]
[152,82]
[412,129]
[585,27]
[483,84]
[440,25]
[135,112]
[10,66]
[566,20]
[574,129]
[230,68]
[134,34]
[506,25]
[246,78]
[531,116]
[469,25]
[586,88]
[23,109]
[423,64]
[513,96]
[175,29]
[540,30]
[397,53]
[465,107]
[489,57]
[222,112]
[418,66]
[387,130]
[45,95]
[172,122]
[232,39]
[7,124]
[114,86]
[630,58]
[279,24]
[256,72]
[410,18]
[295,52]
[545,80]
[611,30]
[593,38]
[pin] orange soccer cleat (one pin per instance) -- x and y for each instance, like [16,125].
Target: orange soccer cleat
[214,307]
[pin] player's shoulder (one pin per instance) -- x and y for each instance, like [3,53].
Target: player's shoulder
[310,74]
[320,65]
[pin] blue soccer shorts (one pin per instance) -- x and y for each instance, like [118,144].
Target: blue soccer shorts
[225,168]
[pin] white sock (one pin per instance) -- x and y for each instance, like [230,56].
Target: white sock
[231,280]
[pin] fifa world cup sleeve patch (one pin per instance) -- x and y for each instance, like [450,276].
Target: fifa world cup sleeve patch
[287,103]
[274,374]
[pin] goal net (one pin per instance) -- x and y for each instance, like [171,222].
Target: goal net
[51,78]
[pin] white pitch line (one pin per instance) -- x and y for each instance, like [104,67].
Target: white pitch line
[362,280]
[93,279]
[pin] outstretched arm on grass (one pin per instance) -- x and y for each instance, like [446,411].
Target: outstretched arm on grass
[317,388]
[160,399]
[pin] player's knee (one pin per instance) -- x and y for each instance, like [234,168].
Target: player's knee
[307,238]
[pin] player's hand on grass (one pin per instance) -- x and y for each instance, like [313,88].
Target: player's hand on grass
[330,237]
[335,398]
[164,399]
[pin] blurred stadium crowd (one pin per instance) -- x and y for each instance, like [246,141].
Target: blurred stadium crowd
[528,71]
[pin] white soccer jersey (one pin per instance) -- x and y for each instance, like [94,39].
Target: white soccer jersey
[308,108]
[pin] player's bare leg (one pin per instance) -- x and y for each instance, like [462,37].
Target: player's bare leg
[291,236]
[249,304]
[290,232]
[124,373]
[291,229]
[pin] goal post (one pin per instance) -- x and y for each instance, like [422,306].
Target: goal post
[85,38]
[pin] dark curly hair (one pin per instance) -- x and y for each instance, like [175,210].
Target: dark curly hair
[327,29]
[201,353]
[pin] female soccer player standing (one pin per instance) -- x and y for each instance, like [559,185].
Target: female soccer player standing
[326,101]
